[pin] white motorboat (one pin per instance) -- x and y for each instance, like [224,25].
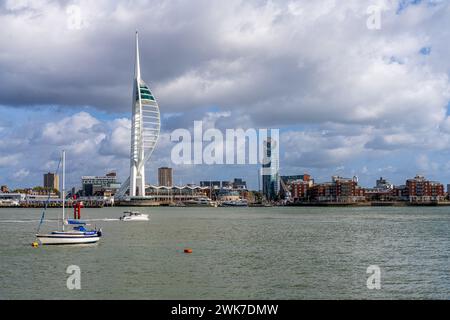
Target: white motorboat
[134,216]
[78,235]
[235,203]
[200,202]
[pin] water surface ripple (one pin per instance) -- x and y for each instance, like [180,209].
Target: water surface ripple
[238,253]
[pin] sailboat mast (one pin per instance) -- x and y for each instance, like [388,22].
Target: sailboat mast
[63,185]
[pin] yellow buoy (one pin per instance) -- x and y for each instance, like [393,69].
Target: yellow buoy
[35,244]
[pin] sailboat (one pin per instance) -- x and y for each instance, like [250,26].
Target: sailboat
[78,234]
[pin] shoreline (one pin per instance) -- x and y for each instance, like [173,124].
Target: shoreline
[371,204]
[300,204]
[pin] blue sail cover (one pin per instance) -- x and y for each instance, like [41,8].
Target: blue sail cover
[77,222]
[80,228]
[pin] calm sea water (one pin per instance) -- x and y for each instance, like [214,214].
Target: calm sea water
[245,253]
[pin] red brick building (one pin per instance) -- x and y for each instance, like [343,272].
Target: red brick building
[420,189]
[299,190]
[339,190]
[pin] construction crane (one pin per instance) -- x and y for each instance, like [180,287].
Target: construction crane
[287,193]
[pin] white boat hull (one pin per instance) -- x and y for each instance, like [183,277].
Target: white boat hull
[142,217]
[234,204]
[48,239]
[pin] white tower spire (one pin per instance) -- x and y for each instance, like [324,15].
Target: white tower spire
[145,127]
[137,69]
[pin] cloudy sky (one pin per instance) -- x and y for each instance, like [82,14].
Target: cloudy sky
[348,99]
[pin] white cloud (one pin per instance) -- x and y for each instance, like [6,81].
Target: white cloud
[8,160]
[73,128]
[21,174]
[312,61]
[118,142]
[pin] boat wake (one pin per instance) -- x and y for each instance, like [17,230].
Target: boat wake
[55,220]
[25,221]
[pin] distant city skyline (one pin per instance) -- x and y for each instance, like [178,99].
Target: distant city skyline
[348,100]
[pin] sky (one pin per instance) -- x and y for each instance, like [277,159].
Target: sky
[349,99]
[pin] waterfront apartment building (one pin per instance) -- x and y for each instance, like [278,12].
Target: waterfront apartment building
[338,190]
[95,185]
[420,189]
[417,189]
[51,181]
[299,189]
[165,177]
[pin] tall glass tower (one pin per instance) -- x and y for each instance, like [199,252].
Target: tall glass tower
[145,128]
[270,170]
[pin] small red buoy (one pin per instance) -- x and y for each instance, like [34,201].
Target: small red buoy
[187,250]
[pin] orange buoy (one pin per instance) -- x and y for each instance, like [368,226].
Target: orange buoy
[187,250]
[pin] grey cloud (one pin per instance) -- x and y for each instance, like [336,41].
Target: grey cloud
[381,143]
[260,59]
